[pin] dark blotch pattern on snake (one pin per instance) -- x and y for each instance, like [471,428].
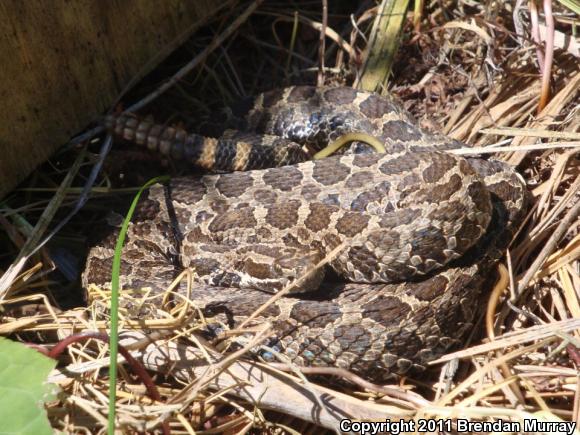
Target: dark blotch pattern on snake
[416,231]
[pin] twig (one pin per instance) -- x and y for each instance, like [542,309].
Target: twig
[357,30]
[322,43]
[532,132]
[267,388]
[496,293]
[514,338]
[355,379]
[329,31]
[491,150]
[547,70]
[536,34]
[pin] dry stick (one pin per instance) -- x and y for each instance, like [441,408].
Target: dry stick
[213,370]
[536,34]
[496,293]
[490,150]
[547,74]
[322,43]
[411,397]
[352,25]
[549,246]
[508,258]
[356,30]
[214,373]
[514,338]
[531,132]
[567,339]
[329,31]
[269,389]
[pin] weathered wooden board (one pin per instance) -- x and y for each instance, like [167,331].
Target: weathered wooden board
[64,62]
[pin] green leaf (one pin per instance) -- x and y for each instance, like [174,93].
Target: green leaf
[23,389]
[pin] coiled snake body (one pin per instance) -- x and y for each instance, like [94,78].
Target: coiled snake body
[413,232]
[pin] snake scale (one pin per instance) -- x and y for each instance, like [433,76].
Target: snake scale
[415,231]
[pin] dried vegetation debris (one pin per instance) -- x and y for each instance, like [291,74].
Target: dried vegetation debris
[470,71]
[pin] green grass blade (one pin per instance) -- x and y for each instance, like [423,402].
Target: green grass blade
[114,333]
[573,5]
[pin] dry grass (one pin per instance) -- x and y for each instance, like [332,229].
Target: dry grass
[465,73]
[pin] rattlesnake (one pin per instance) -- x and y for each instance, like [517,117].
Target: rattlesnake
[416,230]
